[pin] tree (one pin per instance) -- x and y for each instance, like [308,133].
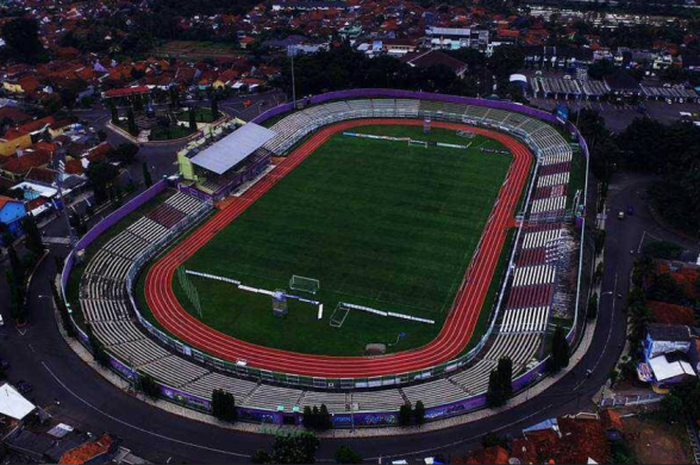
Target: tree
[147,180]
[98,350]
[317,418]
[345,454]
[33,239]
[125,153]
[672,408]
[287,448]
[62,310]
[22,37]
[592,311]
[148,386]
[500,387]
[131,122]
[16,303]
[505,61]
[114,112]
[215,107]
[405,414]
[559,358]
[193,119]
[494,395]
[491,439]
[325,422]
[639,145]
[505,376]
[260,456]
[419,413]
[666,289]
[16,265]
[174,97]
[223,405]
[601,69]
[101,176]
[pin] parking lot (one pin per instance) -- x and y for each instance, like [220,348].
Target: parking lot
[618,117]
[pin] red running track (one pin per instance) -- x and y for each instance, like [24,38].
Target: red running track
[451,340]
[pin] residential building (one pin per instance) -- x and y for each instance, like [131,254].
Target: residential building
[449,38]
[12,212]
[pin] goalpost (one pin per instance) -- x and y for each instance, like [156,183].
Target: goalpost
[190,290]
[304,284]
[421,143]
[339,315]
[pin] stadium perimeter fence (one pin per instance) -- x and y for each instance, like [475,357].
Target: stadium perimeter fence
[523,381]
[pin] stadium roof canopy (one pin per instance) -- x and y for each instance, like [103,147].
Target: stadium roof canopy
[13,404]
[233,149]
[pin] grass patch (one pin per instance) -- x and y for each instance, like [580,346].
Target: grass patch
[202,115]
[379,223]
[577,176]
[172,132]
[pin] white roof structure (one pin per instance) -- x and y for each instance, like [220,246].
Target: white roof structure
[663,369]
[233,149]
[449,31]
[13,404]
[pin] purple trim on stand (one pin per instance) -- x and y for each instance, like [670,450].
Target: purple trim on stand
[120,213]
[409,94]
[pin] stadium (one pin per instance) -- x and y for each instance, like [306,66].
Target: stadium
[361,250]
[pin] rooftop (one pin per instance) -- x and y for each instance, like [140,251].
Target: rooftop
[233,149]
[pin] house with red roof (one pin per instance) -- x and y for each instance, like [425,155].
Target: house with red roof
[22,136]
[90,451]
[15,168]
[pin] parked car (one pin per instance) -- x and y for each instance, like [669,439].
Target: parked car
[621,216]
[24,387]
[247,103]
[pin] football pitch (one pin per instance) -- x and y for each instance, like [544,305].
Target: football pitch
[379,223]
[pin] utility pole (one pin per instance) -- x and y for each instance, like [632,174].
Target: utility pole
[61,168]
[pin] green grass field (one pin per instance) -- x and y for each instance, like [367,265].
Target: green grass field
[379,223]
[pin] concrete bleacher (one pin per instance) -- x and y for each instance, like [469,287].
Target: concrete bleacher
[524,316]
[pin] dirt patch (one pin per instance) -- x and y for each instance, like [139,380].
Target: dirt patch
[193,50]
[655,441]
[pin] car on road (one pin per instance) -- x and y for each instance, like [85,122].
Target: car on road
[247,103]
[621,215]
[630,210]
[24,387]
[4,364]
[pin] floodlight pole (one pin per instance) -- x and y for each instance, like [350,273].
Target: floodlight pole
[294,91]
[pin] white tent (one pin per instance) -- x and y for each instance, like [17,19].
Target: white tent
[13,404]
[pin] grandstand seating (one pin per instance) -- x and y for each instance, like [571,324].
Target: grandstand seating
[522,320]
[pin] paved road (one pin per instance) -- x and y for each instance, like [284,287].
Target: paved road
[41,357]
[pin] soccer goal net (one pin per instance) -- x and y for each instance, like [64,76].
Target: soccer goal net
[339,315]
[304,284]
[190,290]
[420,143]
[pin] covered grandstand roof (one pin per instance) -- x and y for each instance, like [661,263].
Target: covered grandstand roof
[233,149]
